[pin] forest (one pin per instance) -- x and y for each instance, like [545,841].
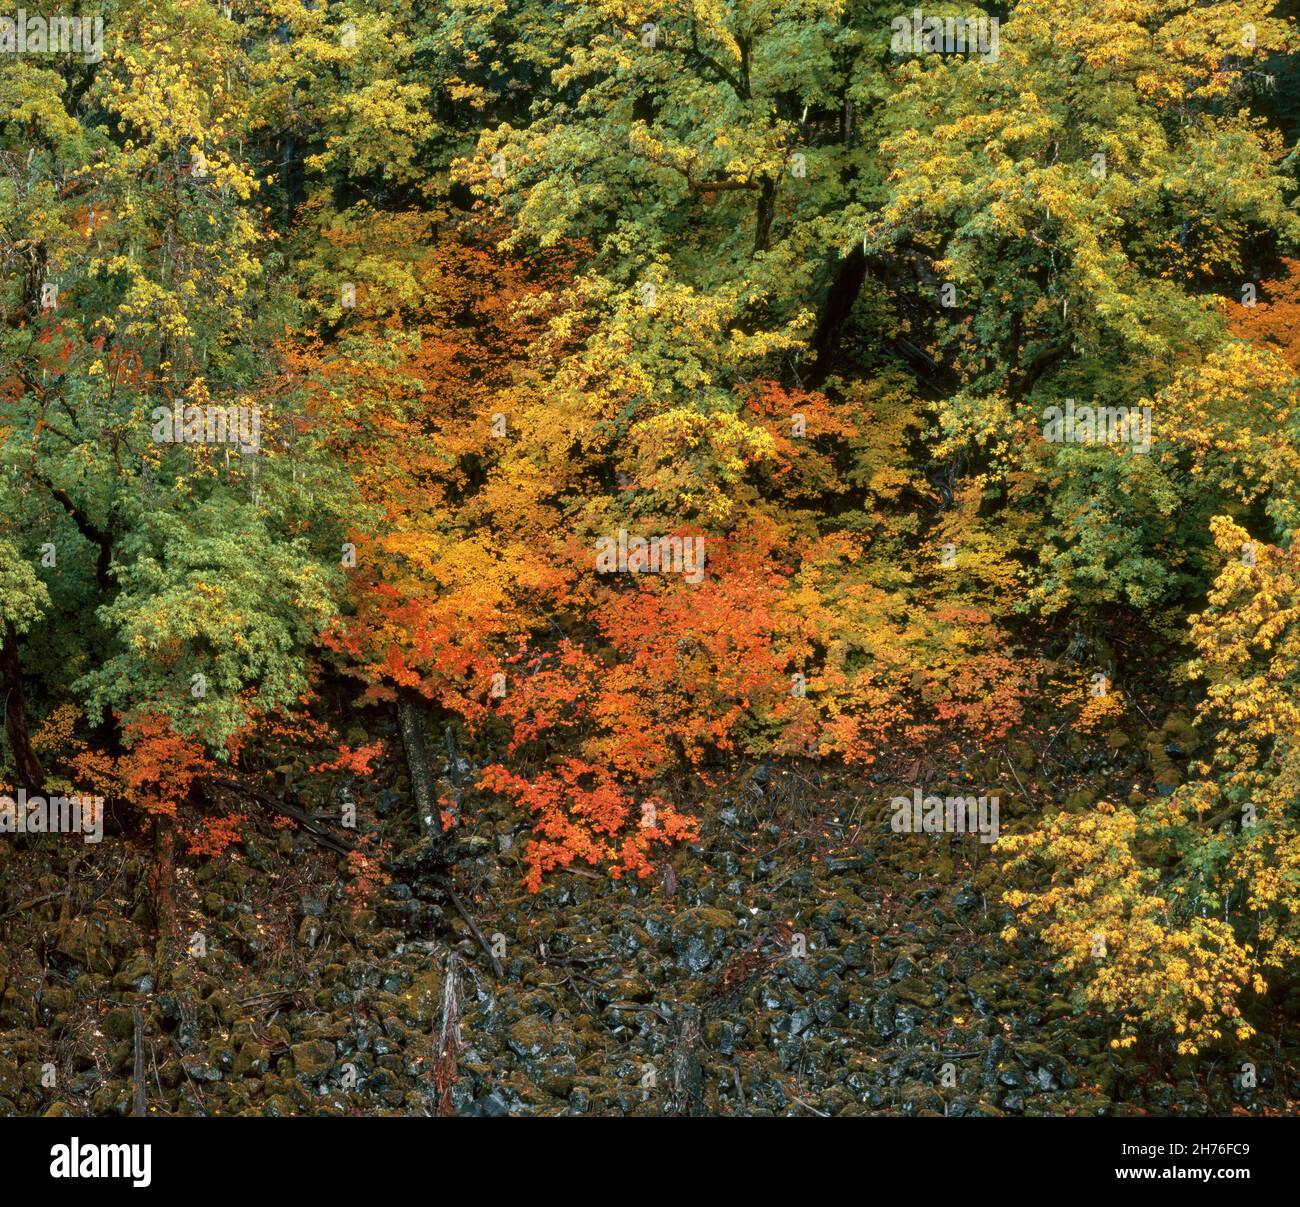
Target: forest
[659,558]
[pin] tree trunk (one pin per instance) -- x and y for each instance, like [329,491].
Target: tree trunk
[410,719]
[164,875]
[687,1074]
[841,295]
[30,774]
[766,212]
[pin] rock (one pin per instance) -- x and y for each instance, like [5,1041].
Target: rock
[84,942]
[857,955]
[580,1100]
[921,1100]
[557,1076]
[915,991]
[702,918]
[882,1015]
[492,1105]
[312,1059]
[1179,731]
[903,967]
[985,991]
[423,1000]
[119,1024]
[136,974]
[800,1021]
[1046,1066]
[696,954]
[1080,800]
[252,1060]
[527,1036]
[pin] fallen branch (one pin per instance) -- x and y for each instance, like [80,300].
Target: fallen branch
[306,820]
[473,926]
[18,909]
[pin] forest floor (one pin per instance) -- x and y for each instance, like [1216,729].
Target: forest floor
[801,958]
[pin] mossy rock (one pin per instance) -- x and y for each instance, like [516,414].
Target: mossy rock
[1178,728]
[702,918]
[253,1059]
[119,1024]
[422,1002]
[1080,800]
[528,1036]
[85,942]
[1022,756]
[312,1059]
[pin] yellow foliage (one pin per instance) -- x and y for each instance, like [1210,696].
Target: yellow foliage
[1134,949]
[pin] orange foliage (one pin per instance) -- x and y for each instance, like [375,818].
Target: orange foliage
[1274,320]
[585,813]
[159,768]
[215,835]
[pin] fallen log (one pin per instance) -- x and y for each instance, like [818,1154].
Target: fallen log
[307,820]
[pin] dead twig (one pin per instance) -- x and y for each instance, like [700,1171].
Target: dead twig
[18,909]
[459,905]
[138,1104]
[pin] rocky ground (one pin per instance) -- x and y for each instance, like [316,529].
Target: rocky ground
[801,959]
